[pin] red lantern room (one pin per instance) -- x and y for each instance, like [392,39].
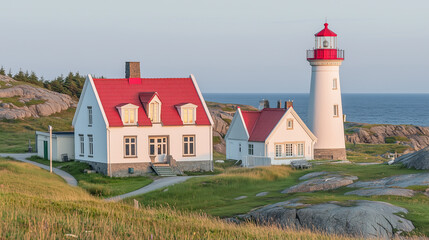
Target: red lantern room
[325,46]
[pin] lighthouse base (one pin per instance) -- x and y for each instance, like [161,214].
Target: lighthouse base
[330,154]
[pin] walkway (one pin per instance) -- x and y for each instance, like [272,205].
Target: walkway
[157,184]
[23,158]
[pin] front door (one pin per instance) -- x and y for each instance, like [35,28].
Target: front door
[45,149]
[158,147]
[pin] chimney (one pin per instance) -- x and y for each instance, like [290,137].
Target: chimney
[266,103]
[279,104]
[132,69]
[288,104]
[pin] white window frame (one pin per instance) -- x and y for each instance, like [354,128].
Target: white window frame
[300,150]
[189,145]
[158,145]
[188,114]
[289,124]
[90,119]
[128,143]
[251,149]
[82,144]
[155,112]
[90,145]
[289,150]
[334,84]
[278,150]
[129,112]
[336,111]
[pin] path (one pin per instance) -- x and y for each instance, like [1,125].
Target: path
[157,184]
[23,158]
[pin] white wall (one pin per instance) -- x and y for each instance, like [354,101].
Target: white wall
[281,135]
[65,145]
[98,128]
[328,129]
[203,148]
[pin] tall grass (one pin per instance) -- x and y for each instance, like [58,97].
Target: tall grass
[35,204]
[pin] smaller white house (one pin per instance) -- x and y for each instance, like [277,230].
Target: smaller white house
[271,136]
[62,145]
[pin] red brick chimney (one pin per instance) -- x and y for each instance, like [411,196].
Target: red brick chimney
[288,104]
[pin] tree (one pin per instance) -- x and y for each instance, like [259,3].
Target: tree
[2,71]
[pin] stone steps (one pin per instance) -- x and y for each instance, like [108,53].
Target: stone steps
[162,170]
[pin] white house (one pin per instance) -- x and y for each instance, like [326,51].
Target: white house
[62,145]
[126,126]
[276,135]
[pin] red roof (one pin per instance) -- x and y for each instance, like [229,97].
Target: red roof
[261,123]
[326,32]
[171,91]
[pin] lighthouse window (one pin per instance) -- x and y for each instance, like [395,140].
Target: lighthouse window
[336,111]
[334,84]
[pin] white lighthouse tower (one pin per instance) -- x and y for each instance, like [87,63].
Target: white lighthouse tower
[325,112]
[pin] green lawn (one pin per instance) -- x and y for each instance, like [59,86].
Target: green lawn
[98,184]
[215,195]
[371,152]
[16,133]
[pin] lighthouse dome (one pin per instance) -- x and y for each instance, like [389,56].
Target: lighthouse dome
[326,32]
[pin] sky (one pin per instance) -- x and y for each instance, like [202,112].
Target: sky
[230,46]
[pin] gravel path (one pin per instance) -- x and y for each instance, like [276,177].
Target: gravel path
[23,158]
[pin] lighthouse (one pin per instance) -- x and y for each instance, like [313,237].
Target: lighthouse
[325,111]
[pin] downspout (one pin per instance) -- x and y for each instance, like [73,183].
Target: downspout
[109,168]
[211,148]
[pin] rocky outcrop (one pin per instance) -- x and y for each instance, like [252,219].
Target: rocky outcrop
[327,182]
[414,136]
[34,101]
[368,219]
[401,181]
[417,160]
[382,191]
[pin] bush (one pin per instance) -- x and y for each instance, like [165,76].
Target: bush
[395,139]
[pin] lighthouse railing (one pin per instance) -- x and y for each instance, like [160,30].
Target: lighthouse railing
[325,54]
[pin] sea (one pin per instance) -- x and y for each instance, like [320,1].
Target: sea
[371,108]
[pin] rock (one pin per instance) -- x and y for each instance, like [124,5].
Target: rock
[53,102]
[219,161]
[241,197]
[261,194]
[312,175]
[165,190]
[322,184]
[361,218]
[382,191]
[401,181]
[417,160]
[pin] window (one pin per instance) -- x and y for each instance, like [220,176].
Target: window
[336,111]
[130,116]
[89,116]
[188,145]
[154,112]
[188,115]
[250,149]
[300,149]
[130,146]
[278,150]
[289,124]
[239,147]
[288,150]
[334,84]
[82,144]
[157,146]
[90,145]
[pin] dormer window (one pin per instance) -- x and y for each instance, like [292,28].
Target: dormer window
[188,112]
[152,105]
[154,112]
[128,113]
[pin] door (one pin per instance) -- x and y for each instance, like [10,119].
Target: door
[158,147]
[45,149]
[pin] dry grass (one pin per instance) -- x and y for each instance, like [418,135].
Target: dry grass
[37,205]
[260,173]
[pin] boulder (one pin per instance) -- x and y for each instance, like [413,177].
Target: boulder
[312,175]
[327,182]
[401,181]
[261,194]
[417,160]
[382,191]
[361,218]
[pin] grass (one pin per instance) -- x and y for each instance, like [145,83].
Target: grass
[16,133]
[218,156]
[215,195]
[98,184]
[15,101]
[376,149]
[216,140]
[55,210]
[395,139]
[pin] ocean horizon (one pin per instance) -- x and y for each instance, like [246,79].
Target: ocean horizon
[374,108]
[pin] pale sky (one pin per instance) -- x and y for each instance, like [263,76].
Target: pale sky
[230,46]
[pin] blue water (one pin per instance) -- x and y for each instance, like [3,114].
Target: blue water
[363,108]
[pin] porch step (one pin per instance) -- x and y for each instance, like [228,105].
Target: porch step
[162,170]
